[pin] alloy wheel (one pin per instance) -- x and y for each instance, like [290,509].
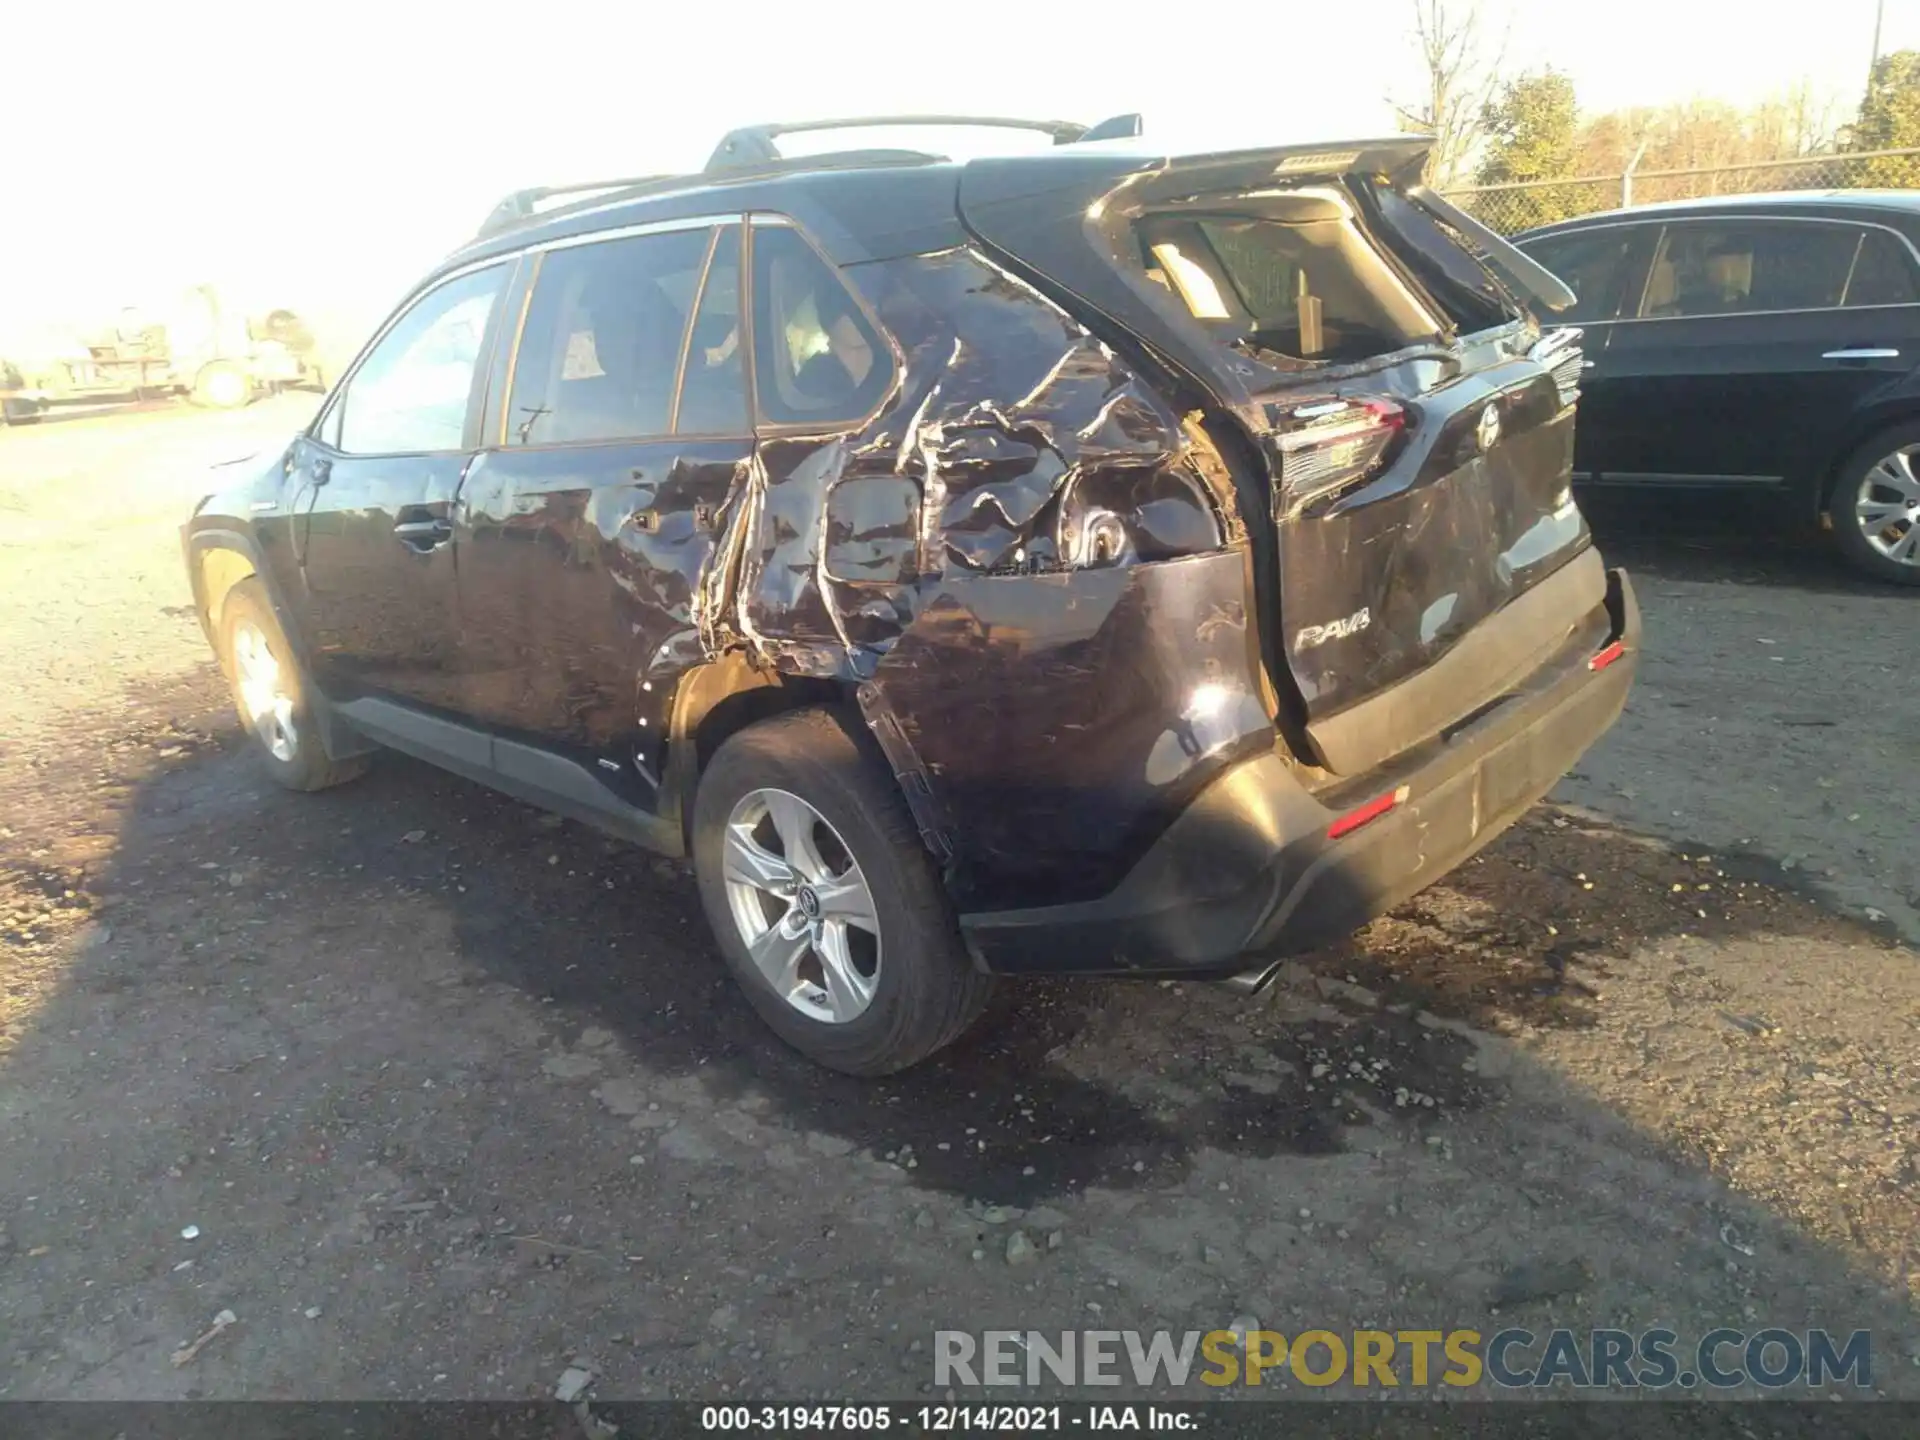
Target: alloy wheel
[1887,507]
[802,907]
[264,698]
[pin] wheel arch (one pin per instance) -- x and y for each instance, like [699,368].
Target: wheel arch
[1862,428]
[716,701]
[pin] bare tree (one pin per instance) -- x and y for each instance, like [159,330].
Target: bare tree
[1461,63]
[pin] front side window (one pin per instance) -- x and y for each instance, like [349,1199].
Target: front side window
[816,359]
[410,394]
[599,356]
[1734,267]
[1591,262]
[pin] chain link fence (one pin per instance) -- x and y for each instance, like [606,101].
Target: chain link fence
[1521,206]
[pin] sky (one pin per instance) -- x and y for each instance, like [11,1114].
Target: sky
[323,157]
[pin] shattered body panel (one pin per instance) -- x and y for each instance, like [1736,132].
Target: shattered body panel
[1000,555]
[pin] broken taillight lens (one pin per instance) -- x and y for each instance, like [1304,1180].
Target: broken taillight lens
[1330,444]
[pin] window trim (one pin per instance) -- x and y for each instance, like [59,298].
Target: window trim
[536,255]
[1661,223]
[895,358]
[509,265]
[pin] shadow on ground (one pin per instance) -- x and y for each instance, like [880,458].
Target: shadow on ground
[608,936]
[1724,537]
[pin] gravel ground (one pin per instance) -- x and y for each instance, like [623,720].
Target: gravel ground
[453,1096]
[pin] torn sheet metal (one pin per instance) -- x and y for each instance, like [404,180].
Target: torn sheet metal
[1013,443]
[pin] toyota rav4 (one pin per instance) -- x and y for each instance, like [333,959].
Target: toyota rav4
[1085,561]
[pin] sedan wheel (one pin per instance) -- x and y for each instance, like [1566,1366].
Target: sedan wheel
[802,907]
[1887,508]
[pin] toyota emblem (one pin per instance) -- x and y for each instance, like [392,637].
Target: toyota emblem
[1487,432]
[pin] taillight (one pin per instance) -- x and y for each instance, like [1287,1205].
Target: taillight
[1333,443]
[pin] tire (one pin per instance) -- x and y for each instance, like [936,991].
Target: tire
[924,990]
[1854,538]
[275,712]
[222,385]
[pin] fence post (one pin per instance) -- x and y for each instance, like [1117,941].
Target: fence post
[1626,180]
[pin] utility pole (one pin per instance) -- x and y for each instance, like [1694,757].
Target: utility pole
[1879,14]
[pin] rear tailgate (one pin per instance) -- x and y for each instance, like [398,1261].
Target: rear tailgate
[1415,427]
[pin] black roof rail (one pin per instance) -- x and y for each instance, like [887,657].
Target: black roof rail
[518,207]
[753,144]
[751,149]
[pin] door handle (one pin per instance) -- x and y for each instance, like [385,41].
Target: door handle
[1862,354]
[423,534]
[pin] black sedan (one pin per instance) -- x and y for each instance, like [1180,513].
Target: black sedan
[1767,345]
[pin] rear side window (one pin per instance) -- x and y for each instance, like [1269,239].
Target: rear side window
[1302,284]
[599,355]
[1882,272]
[1592,262]
[1735,267]
[816,359]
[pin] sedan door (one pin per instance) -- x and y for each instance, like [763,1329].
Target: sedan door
[371,489]
[1603,265]
[1752,343]
[585,525]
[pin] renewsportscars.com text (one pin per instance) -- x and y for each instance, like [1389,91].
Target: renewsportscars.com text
[1655,1359]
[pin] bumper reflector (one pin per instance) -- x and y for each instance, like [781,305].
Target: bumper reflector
[1607,656]
[1372,810]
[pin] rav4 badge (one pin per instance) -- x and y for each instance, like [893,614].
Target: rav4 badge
[1312,635]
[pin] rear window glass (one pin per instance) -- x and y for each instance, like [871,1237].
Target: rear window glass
[1434,251]
[1302,287]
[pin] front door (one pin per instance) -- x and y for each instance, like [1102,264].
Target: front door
[371,490]
[586,523]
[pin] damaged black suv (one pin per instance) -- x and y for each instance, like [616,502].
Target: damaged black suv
[1086,561]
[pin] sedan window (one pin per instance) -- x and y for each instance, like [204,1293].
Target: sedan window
[1883,273]
[1591,262]
[1734,267]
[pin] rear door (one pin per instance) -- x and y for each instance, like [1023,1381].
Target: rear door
[1752,342]
[586,522]
[371,489]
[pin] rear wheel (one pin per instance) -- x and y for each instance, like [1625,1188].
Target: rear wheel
[1875,506]
[271,694]
[222,386]
[824,900]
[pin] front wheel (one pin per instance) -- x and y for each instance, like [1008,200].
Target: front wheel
[271,694]
[1875,506]
[824,900]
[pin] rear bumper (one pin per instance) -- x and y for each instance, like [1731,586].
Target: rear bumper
[1250,866]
